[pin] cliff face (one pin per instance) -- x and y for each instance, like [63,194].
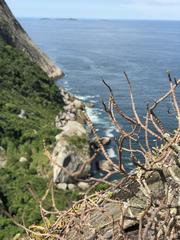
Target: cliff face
[13,34]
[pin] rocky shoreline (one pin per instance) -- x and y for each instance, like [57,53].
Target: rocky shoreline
[73,145]
[73,110]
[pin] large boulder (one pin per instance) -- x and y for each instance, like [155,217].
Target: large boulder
[71,152]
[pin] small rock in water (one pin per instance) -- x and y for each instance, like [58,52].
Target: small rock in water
[104,165]
[62,186]
[90,105]
[83,186]
[105,140]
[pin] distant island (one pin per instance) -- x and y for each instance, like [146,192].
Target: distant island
[60,19]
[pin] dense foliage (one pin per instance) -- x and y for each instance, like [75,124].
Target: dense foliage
[29,101]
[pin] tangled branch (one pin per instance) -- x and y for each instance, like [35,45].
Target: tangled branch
[145,203]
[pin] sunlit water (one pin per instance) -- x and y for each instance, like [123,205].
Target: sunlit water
[88,51]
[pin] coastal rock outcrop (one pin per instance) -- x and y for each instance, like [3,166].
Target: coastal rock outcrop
[70,153]
[73,110]
[73,146]
[13,34]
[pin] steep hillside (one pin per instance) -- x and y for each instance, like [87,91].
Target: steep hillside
[29,102]
[14,35]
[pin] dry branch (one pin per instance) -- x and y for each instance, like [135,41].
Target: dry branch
[145,203]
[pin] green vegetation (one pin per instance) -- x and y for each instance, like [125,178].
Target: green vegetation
[77,142]
[29,102]
[15,187]
[101,187]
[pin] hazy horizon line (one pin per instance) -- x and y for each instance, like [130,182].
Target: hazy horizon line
[101,19]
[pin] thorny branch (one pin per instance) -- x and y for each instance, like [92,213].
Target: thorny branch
[147,200]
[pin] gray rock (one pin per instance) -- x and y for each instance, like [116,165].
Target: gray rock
[78,104]
[80,117]
[62,186]
[63,116]
[59,125]
[71,186]
[89,105]
[92,235]
[67,107]
[67,102]
[108,235]
[74,128]
[70,116]
[66,154]
[62,91]
[104,165]
[58,122]
[73,110]
[3,158]
[17,237]
[105,140]
[83,186]
[71,98]
[57,118]
[22,114]
[63,123]
[23,159]
[66,97]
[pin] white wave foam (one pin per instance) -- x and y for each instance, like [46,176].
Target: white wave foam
[130,164]
[111,153]
[87,97]
[66,82]
[94,115]
[94,101]
[109,132]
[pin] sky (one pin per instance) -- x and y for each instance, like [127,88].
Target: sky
[97,9]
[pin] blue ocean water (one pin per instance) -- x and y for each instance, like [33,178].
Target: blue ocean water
[89,50]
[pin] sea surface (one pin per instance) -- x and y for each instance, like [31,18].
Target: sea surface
[91,50]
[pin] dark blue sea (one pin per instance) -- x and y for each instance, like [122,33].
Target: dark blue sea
[89,50]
